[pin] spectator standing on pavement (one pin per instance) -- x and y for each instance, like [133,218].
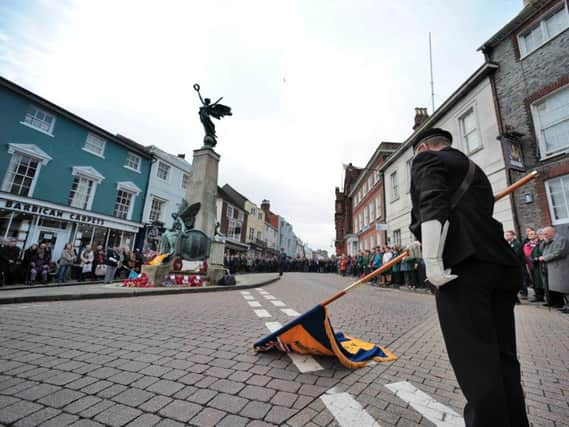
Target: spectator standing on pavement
[517,247]
[112,261]
[387,255]
[532,252]
[9,257]
[64,262]
[282,262]
[452,207]
[556,258]
[30,263]
[86,258]
[343,265]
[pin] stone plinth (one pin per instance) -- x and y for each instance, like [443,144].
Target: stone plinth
[157,273]
[215,267]
[202,188]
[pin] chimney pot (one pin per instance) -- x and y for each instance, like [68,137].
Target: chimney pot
[182,156]
[421,117]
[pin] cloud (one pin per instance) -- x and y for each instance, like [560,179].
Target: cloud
[312,84]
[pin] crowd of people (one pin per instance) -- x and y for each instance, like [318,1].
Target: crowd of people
[239,264]
[410,272]
[38,265]
[545,257]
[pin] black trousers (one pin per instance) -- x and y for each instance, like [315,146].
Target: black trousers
[476,313]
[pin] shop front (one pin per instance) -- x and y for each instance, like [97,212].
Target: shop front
[34,221]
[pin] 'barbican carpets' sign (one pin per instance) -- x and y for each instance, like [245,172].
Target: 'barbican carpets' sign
[51,212]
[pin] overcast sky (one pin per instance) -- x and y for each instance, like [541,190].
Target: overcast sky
[312,84]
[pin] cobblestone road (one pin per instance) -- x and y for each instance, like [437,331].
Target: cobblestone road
[186,359]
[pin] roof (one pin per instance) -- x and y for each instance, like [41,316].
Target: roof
[225,195]
[36,99]
[235,195]
[482,72]
[174,160]
[526,13]
[383,147]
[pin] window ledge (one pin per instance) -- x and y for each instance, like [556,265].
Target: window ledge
[132,169]
[37,129]
[563,152]
[93,153]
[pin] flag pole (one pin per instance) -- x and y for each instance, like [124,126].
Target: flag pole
[399,258]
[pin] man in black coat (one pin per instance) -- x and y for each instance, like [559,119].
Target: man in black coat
[476,274]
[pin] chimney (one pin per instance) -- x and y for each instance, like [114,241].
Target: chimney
[182,156]
[421,117]
[265,205]
[528,2]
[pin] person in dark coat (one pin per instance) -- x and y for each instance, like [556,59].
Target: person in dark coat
[282,262]
[477,276]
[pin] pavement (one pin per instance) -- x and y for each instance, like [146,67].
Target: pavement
[173,360]
[97,290]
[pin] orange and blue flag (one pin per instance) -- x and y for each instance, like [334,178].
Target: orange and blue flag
[312,333]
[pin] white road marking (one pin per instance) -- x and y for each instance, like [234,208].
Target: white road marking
[254,303]
[262,313]
[304,363]
[263,292]
[437,413]
[245,292]
[248,297]
[269,297]
[347,411]
[290,312]
[278,303]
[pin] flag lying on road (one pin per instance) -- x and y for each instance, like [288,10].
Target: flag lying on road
[312,333]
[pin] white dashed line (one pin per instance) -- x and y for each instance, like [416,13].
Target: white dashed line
[254,303]
[304,363]
[278,303]
[245,292]
[262,313]
[437,413]
[290,312]
[347,411]
[269,297]
[249,297]
[263,292]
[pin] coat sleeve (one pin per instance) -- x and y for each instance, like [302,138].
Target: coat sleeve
[430,178]
[558,249]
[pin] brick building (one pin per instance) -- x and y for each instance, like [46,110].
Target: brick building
[343,210]
[531,88]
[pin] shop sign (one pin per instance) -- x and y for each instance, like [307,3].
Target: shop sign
[52,212]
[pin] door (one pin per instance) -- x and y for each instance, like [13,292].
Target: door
[57,237]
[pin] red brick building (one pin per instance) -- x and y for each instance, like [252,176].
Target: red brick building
[343,209]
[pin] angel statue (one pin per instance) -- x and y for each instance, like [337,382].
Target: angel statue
[208,110]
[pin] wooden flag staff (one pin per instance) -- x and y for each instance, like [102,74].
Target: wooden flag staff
[400,257]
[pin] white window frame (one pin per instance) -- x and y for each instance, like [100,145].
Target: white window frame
[229,212]
[394,181]
[25,150]
[185,181]
[554,220]
[30,124]
[538,128]
[128,187]
[161,211]
[97,138]
[377,207]
[409,164]
[524,53]
[396,237]
[135,156]
[168,171]
[90,173]
[251,234]
[366,216]
[471,109]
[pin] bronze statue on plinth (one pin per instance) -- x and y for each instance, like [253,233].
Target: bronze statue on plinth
[208,110]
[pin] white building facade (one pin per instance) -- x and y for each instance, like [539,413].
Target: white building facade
[469,115]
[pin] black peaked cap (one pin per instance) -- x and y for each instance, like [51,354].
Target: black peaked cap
[429,133]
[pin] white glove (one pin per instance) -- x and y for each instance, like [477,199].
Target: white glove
[433,236]
[414,250]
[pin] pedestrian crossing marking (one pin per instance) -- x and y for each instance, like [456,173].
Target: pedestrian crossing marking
[304,363]
[347,411]
[254,303]
[248,297]
[245,292]
[269,297]
[290,312]
[278,303]
[437,413]
[262,313]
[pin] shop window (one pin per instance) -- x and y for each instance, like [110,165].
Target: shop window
[83,236]
[100,236]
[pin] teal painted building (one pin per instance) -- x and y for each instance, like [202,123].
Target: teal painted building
[64,179]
